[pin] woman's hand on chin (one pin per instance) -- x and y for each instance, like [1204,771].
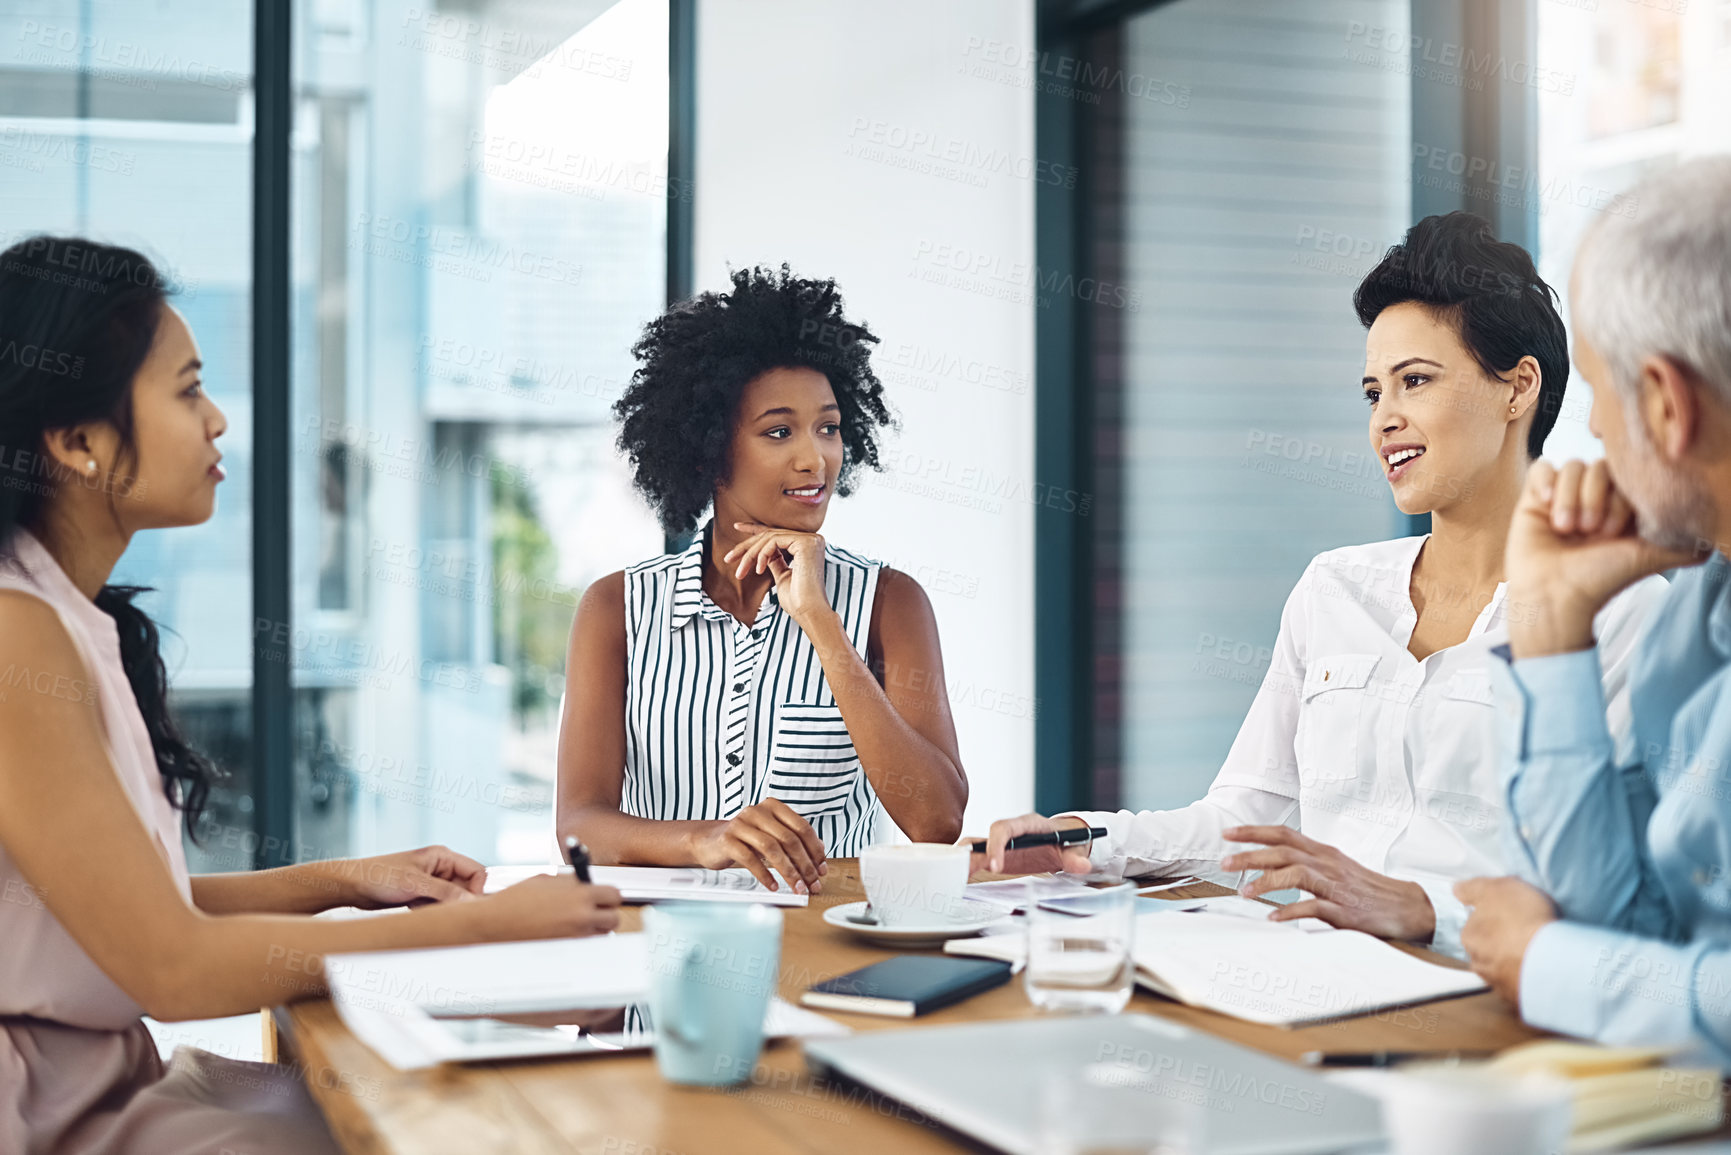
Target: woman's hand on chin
[794,560]
[1348,895]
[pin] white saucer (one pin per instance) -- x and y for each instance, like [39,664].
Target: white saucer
[976,916]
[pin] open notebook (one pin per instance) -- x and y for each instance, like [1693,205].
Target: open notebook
[1263,972]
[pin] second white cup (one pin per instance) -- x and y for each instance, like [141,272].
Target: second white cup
[917,884]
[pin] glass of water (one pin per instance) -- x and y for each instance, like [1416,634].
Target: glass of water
[1079,951]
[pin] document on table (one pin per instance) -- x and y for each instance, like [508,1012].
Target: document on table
[417,1008]
[1240,907]
[1264,972]
[664,883]
[1018,894]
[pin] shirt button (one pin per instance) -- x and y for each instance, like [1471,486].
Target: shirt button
[1702,878]
[739,687]
[1526,833]
[733,759]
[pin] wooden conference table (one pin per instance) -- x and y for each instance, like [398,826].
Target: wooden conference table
[621,1106]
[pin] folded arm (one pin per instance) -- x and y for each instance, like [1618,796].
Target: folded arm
[1624,989]
[1577,822]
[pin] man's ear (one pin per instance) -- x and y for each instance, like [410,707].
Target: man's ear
[1670,406]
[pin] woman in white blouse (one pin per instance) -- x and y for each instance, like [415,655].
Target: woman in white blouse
[1366,770]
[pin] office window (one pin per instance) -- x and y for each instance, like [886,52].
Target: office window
[479,234]
[1642,86]
[132,124]
[1262,174]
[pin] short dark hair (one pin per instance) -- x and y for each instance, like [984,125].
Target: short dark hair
[1490,291]
[676,416]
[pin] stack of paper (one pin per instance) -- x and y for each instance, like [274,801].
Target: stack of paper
[1622,1096]
[1264,972]
[664,883]
[421,1007]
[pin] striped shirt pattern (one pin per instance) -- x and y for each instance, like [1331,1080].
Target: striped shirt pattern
[720,715]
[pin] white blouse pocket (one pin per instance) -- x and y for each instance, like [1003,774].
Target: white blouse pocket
[1470,686]
[813,766]
[1330,715]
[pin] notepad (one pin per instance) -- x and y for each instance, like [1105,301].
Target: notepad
[907,985]
[1265,972]
[416,1008]
[664,883]
[497,978]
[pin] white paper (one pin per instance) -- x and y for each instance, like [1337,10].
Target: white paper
[417,1040]
[496,978]
[663,883]
[1240,907]
[1018,894]
[393,1001]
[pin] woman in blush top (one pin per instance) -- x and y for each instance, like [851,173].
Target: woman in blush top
[105,430]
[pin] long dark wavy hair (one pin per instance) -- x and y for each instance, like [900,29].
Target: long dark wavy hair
[77,320]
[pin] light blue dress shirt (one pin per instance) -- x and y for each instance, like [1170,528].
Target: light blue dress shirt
[1633,843]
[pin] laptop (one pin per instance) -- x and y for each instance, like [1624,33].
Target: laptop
[1140,1081]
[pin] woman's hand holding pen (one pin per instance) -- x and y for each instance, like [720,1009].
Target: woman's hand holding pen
[765,836]
[548,906]
[794,560]
[1348,895]
[1035,860]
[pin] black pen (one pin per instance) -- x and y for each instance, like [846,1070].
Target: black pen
[1064,837]
[1383,1058]
[578,856]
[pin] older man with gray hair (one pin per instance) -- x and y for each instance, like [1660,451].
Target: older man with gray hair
[1620,927]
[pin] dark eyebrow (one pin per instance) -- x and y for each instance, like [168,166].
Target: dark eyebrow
[195,364]
[789,411]
[1403,365]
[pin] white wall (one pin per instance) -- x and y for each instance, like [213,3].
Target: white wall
[891,145]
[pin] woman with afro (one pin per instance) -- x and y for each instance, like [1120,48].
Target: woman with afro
[756,699]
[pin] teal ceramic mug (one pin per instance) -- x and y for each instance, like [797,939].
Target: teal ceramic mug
[712,969]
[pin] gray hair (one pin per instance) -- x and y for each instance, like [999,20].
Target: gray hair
[1658,281]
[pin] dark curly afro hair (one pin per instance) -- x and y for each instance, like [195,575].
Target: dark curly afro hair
[696,359]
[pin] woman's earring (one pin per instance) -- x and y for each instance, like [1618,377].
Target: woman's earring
[90,466]
[1511,409]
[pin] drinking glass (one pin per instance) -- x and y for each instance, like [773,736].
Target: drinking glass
[1080,960]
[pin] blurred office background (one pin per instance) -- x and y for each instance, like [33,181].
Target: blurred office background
[1109,246]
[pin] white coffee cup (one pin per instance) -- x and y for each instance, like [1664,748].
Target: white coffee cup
[1467,1111]
[917,884]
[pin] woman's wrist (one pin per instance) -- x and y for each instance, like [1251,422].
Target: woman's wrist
[325,885]
[1075,822]
[1424,916]
[821,624]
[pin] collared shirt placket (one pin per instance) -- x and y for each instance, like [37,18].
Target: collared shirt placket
[1395,771]
[746,644]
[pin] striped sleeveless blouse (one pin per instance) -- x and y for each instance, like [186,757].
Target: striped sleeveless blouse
[720,715]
